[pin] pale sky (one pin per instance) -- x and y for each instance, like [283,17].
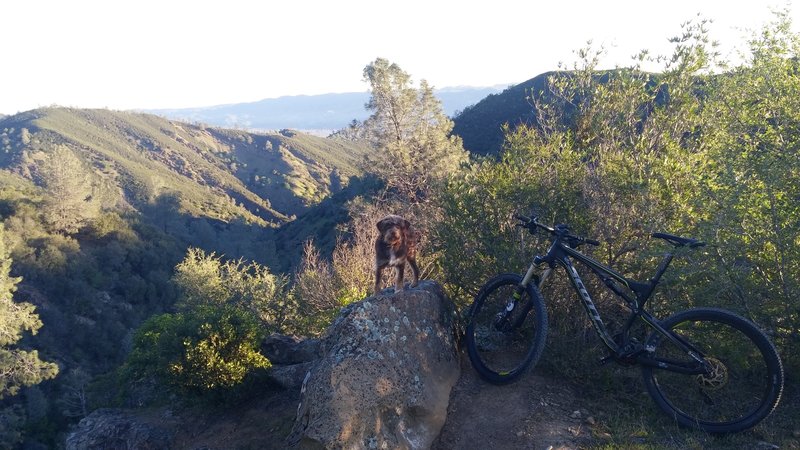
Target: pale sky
[147,54]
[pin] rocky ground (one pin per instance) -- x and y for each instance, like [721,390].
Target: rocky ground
[534,413]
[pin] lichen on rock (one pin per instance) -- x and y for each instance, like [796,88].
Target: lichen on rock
[384,380]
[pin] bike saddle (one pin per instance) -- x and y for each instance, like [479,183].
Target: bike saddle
[678,241]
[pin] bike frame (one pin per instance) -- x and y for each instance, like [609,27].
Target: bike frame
[561,254]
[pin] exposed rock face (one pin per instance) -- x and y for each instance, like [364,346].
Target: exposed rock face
[389,363]
[111,429]
[287,350]
[291,358]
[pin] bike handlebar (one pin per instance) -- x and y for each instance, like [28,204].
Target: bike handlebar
[561,230]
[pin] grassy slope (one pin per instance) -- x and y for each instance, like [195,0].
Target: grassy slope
[293,170]
[220,174]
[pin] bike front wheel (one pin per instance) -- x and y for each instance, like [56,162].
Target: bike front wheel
[505,336]
[743,379]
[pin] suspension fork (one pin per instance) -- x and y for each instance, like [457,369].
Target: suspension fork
[503,319]
[529,275]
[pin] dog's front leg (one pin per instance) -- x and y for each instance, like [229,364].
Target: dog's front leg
[378,269]
[414,270]
[398,277]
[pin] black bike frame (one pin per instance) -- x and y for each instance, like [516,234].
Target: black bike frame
[560,253]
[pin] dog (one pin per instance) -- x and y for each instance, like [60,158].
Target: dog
[395,245]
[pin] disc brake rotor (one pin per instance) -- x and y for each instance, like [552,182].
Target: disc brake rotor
[716,378]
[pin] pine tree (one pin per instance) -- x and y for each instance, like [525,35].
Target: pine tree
[411,134]
[70,200]
[18,368]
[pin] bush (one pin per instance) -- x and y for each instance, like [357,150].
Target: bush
[206,280]
[198,351]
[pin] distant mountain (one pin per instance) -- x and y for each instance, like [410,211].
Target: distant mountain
[326,113]
[481,125]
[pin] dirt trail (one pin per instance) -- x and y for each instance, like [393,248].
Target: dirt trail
[532,413]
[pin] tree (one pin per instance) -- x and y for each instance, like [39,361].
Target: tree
[70,200]
[211,343]
[753,189]
[18,368]
[74,399]
[411,134]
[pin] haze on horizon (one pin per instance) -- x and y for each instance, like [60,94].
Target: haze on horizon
[178,54]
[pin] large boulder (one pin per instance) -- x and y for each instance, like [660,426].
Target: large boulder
[384,380]
[113,429]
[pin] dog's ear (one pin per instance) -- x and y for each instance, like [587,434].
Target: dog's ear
[382,224]
[406,224]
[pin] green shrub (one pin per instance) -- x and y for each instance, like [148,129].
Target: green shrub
[199,351]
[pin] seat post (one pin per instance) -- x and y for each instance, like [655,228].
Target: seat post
[662,267]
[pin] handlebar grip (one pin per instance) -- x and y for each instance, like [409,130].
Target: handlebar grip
[592,242]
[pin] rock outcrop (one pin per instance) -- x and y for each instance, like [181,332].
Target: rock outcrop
[384,380]
[113,429]
[291,358]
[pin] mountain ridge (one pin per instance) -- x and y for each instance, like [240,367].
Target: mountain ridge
[324,112]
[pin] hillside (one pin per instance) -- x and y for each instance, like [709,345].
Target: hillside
[481,125]
[325,112]
[216,173]
[146,190]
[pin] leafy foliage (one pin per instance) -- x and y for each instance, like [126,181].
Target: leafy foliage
[18,367]
[621,154]
[212,342]
[409,131]
[207,280]
[752,186]
[205,349]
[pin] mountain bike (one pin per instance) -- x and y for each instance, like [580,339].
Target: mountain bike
[707,368]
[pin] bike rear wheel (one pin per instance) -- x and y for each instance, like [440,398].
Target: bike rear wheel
[743,385]
[502,342]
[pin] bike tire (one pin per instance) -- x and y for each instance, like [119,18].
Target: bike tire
[501,357]
[746,383]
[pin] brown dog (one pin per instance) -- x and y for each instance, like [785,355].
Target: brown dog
[396,244]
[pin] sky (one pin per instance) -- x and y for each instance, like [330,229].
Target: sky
[150,54]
